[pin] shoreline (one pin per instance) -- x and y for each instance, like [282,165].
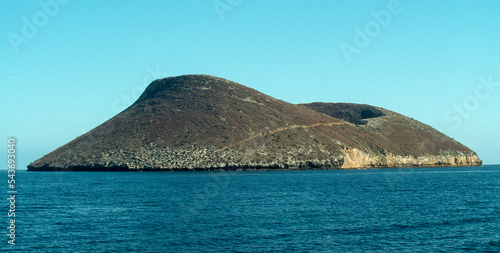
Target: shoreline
[226,169]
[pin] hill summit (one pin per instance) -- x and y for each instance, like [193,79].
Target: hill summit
[201,122]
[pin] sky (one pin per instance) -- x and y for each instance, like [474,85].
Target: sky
[67,66]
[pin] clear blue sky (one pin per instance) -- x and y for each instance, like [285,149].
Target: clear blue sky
[66,66]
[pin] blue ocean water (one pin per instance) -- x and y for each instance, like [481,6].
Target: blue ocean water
[417,210]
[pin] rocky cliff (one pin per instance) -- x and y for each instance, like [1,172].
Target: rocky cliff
[401,141]
[200,122]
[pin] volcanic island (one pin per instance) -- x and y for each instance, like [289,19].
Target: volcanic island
[206,123]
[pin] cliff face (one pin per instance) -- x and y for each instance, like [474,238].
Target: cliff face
[355,158]
[200,122]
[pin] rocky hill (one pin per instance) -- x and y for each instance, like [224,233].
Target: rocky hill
[200,122]
[400,141]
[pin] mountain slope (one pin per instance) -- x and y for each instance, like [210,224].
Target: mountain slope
[404,141]
[200,122]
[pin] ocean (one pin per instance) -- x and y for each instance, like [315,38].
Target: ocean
[378,210]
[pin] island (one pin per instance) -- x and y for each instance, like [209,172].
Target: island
[207,123]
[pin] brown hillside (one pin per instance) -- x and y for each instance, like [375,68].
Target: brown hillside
[397,134]
[200,122]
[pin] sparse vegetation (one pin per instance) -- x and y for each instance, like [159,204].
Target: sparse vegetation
[176,126]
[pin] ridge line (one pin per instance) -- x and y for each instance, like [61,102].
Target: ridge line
[280,130]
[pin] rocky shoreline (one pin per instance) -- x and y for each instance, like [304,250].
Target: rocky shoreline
[353,159]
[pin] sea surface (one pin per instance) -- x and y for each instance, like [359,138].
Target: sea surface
[403,210]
